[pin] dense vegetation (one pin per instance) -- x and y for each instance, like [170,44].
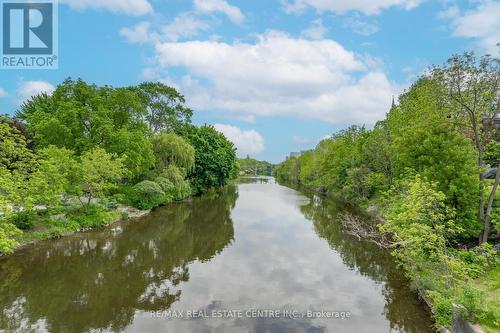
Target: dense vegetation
[252,167]
[69,159]
[424,167]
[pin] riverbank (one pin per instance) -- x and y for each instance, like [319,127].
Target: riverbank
[465,285]
[199,250]
[62,225]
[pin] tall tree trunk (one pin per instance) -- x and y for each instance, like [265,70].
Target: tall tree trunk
[489,208]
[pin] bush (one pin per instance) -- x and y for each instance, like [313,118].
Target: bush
[24,220]
[93,217]
[148,195]
[166,185]
[182,188]
[8,236]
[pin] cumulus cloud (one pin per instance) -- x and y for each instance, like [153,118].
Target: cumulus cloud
[481,23]
[367,7]
[359,26]
[3,93]
[316,31]
[139,33]
[279,75]
[219,6]
[127,7]
[28,89]
[185,25]
[300,140]
[247,142]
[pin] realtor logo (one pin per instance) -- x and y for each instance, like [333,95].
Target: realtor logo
[29,34]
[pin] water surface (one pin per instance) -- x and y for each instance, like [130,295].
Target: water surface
[255,246]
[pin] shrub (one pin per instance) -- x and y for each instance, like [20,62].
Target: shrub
[148,195]
[92,217]
[166,185]
[8,236]
[24,220]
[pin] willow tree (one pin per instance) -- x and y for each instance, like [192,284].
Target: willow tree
[473,93]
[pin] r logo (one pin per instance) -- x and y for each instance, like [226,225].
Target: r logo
[27,28]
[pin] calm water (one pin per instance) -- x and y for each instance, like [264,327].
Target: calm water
[254,246]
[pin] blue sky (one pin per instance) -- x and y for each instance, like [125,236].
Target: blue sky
[274,76]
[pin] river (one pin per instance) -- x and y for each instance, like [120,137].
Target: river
[256,257]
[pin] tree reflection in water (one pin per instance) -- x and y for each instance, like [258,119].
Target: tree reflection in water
[98,280]
[403,309]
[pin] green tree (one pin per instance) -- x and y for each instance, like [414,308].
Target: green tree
[171,149]
[14,151]
[99,171]
[472,86]
[55,177]
[165,107]
[79,116]
[215,157]
[424,138]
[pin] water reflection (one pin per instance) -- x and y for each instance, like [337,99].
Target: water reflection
[250,247]
[100,279]
[403,309]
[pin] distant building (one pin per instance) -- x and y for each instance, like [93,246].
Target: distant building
[493,125]
[297,154]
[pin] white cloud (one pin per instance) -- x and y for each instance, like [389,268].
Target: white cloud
[300,140]
[184,25]
[3,93]
[482,23]
[221,6]
[368,7]
[280,76]
[359,26]
[316,31]
[28,89]
[128,7]
[247,142]
[450,12]
[139,33]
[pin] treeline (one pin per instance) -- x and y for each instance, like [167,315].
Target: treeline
[432,168]
[252,167]
[69,158]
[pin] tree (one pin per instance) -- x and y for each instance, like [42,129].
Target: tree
[424,138]
[98,172]
[473,87]
[55,177]
[80,116]
[14,151]
[215,157]
[171,149]
[165,107]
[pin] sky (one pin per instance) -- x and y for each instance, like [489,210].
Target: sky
[275,76]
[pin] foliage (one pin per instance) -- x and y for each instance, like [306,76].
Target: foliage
[492,153]
[148,194]
[215,157]
[14,151]
[171,149]
[56,176]
[251,167]
[8,236]
[23,220]
[165,110]
[472,85]
[80,117]
[98,172]
[92,217]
